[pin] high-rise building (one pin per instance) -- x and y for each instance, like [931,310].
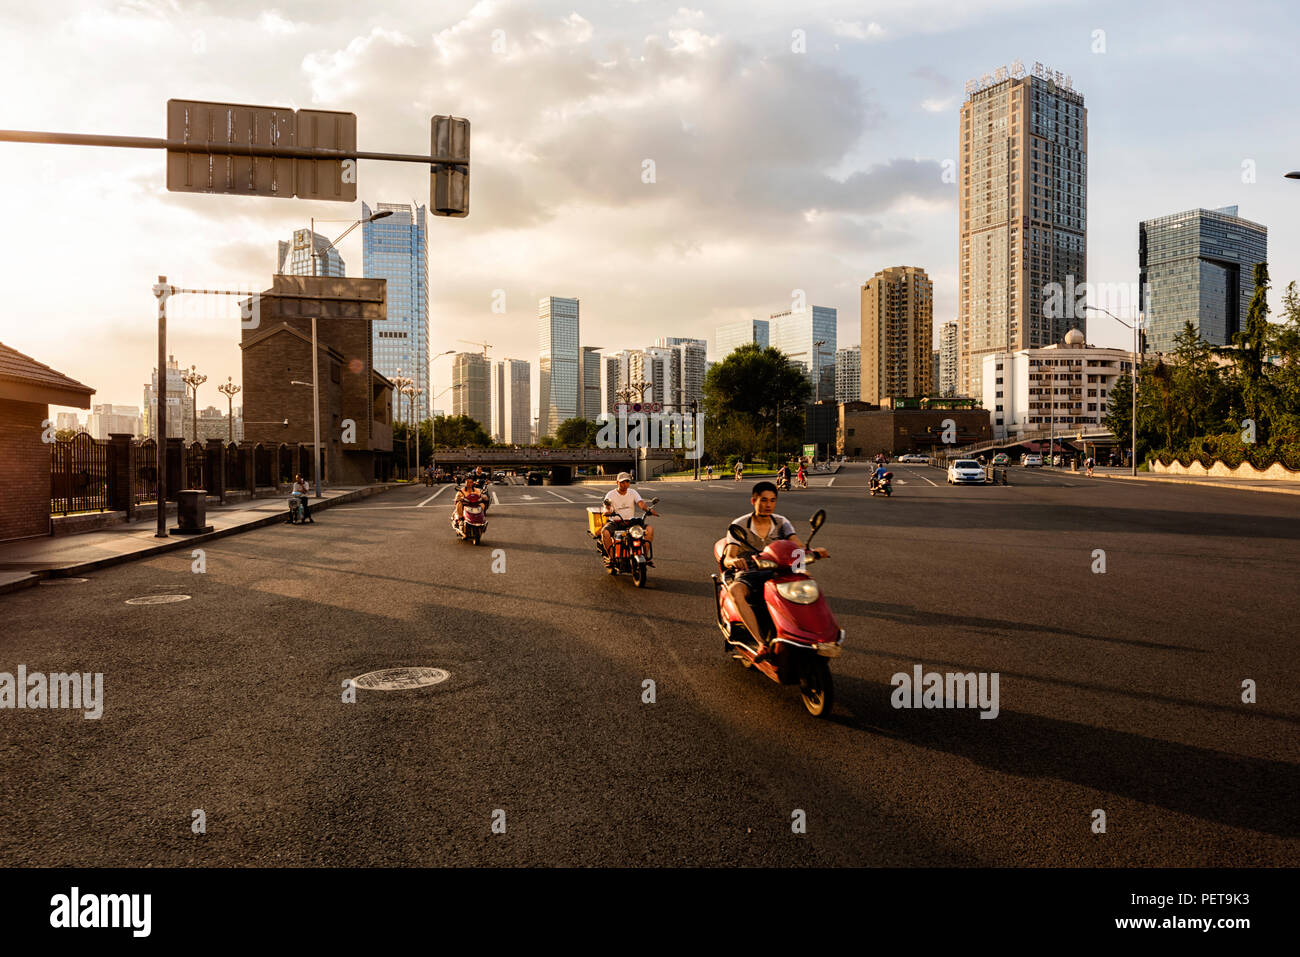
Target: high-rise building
[296,256]
[689,366]
[180,406]
[69,420]
[1023,215]
[732,334]
[646,376]
[1198,266]
[512,387]
[807,337]
[393,248]
[934,373]
[848,374]
[106,420]
[589,382]
[897,334]
[668,387]
[948,351]
[611,383]
[471,390]
[558,362]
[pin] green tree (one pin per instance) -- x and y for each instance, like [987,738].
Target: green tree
[1251,355]
[1195,381]
[456,431]
[760,388]
[576,433]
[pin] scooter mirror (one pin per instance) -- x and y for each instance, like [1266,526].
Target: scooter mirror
[653,502]
[741,533]
[818,519]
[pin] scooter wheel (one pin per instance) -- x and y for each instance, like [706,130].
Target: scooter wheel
[816,688]
[638,574]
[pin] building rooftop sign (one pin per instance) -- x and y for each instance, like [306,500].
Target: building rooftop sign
[1017,71]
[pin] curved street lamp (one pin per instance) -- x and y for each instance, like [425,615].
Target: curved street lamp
[230,390]
[194,379]
[1133,422]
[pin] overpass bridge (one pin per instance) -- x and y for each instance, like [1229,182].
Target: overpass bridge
[643,463]
[1035,442]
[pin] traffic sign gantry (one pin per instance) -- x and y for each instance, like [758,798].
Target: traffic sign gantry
[233,148]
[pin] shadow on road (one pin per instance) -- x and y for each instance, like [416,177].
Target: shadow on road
[1248,793]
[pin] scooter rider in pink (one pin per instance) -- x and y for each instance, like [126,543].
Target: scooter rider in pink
[742,581]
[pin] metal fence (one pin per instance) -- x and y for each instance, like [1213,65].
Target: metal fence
[88,474]
[78,475]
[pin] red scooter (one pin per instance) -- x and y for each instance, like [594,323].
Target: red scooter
[793,616]
[475,523]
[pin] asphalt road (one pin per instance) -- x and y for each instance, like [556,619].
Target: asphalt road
[1119,691]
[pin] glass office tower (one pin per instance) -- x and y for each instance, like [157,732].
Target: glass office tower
[797,334]
[558,362]
[1198,266]
[394,249]
[295,257]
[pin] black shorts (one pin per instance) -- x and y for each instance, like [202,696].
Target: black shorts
[754,579]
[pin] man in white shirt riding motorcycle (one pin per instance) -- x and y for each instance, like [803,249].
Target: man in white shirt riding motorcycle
[621,506]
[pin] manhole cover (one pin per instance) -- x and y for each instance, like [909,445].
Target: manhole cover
[157,599]
[64,581]
[400,679]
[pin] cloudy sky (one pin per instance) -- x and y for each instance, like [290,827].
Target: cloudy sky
[795,147]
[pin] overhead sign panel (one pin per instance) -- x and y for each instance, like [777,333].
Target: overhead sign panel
[229,125]
[334,180]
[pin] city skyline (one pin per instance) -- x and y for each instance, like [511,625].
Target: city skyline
[871,192]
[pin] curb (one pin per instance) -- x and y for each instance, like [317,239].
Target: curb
[1203,484]
[188,541]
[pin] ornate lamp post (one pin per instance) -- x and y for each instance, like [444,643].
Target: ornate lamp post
[194,379]
[230,390]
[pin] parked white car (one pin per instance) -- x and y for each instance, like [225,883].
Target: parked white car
[965,472]
[1032,461]
[913,457]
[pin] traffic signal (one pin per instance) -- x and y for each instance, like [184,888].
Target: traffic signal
[449,187]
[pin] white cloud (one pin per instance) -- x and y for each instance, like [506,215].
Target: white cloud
[935,105]
[856,30]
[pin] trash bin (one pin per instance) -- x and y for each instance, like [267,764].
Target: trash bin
[191,512]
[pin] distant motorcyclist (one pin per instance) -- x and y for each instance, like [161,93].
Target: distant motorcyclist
[803,477]
[468,490]
[878,475]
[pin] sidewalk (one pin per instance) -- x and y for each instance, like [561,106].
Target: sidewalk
[25,562]
[1254,485]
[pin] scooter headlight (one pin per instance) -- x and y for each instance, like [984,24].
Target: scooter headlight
[636,532]
[802,592]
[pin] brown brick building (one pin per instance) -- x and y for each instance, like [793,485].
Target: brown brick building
[909,426]
[356,402]
[27,390]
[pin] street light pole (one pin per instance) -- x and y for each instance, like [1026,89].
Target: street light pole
[229,390]
[1133,377]
[194,379]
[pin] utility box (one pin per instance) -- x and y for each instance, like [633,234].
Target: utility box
[191,512]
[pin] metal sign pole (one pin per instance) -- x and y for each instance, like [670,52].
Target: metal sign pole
[161,292]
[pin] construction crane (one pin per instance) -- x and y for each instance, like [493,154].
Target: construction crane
[486,345]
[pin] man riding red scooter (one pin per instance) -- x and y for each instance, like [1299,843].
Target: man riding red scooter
[770,610]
